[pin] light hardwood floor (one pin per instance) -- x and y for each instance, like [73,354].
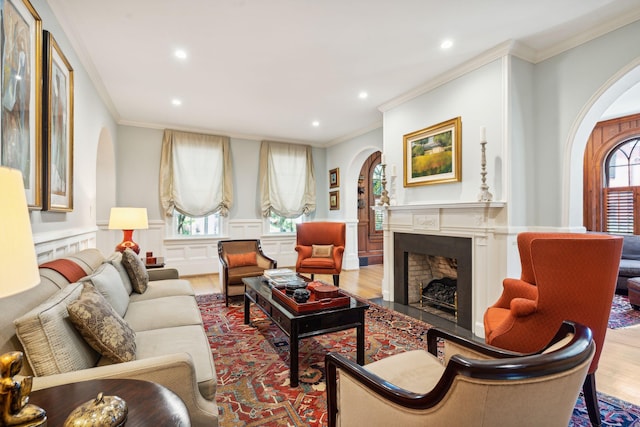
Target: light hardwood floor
[618,372]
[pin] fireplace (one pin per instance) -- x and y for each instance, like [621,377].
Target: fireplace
[438,268]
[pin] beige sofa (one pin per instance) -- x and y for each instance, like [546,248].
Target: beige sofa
[171,345]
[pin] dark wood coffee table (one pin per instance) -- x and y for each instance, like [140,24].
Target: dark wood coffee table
[148,403]
[300,326]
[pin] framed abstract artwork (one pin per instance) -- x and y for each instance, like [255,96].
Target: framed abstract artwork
[334,200]
[57,128]
[20,91]
[433,155]
[334,178]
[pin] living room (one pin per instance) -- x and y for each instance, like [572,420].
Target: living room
[538,109]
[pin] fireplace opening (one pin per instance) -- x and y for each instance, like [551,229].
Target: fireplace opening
[433,274]
[441,293]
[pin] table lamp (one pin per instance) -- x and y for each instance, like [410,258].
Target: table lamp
[127,220]
[19,269]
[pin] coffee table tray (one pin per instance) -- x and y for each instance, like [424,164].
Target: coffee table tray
[280,295]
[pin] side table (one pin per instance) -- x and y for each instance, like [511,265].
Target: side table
[149,404]
[158,262]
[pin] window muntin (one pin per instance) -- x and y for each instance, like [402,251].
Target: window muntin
[376,184]
[623,165]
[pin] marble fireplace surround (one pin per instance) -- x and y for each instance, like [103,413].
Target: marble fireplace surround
[483,224]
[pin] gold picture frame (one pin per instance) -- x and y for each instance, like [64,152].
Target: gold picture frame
[334,178]
[21,94]
[433,155]
[334,200]
[57,127]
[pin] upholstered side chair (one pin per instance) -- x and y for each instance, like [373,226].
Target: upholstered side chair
[462,382]
[320,246]
[565,276]
[240,259]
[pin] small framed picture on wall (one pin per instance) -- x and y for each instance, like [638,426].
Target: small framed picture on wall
[334,200]
[334,178]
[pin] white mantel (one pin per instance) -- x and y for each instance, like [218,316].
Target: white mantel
[484,222]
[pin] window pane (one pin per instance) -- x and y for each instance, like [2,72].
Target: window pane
[279,224]
[200,226]
[623,165]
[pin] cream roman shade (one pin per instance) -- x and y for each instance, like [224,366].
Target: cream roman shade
[195,174]
[287,179]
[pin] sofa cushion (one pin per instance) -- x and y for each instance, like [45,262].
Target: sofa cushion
[164,288]
[241,260]
[184,339]
[101,326]
[136,270]
[106,279]
[115,259]
[164,312]
[52,344]
[321,251]
[631,248]
[629,268]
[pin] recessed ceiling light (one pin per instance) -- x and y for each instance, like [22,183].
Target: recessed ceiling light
[315,123]
[180,54]
[363,95]
[446,44]
[176,102]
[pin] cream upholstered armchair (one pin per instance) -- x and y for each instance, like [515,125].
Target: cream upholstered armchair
[474,384]
[240,259]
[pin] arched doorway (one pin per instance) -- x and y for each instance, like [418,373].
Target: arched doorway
[572,199]
[370,233]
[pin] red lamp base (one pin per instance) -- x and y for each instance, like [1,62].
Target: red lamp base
[127,242]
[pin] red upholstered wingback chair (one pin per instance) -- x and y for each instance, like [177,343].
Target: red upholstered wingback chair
[565,276]
[320,246]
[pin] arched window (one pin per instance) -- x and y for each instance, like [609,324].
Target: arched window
[376,192]
[622,187]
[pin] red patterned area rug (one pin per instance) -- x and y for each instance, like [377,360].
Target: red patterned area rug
[253,375]
[622,314]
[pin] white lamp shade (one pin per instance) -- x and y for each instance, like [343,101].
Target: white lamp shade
[18,263]
[128,219]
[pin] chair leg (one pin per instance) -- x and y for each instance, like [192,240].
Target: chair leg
[311,276]
[336,280]
[591,399]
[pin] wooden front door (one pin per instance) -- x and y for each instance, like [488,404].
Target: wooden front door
[369,221]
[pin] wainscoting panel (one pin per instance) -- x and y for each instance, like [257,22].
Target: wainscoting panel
[55,245]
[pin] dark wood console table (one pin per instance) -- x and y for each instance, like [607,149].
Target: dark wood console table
[149,404]
[299,326]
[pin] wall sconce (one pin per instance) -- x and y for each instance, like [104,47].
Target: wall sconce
[127,220]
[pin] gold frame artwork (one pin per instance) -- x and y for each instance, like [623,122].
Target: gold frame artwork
[58,128]
[433,155]
[21,92]
[334,200]
[334,178]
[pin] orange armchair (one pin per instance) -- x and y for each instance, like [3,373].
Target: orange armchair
[565,276]
[320,246]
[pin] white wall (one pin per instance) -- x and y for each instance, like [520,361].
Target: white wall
[138,170]
[91,117]
[477,98]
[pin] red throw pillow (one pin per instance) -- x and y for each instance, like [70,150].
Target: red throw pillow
[241,260]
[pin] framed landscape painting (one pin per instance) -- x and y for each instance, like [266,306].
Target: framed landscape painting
[20,91]
[433,155]
[58,127]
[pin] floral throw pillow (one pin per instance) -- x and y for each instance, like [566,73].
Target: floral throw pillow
[136,270]
[101,326]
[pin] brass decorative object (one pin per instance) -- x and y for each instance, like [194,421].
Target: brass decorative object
[103,411]
[14,395]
